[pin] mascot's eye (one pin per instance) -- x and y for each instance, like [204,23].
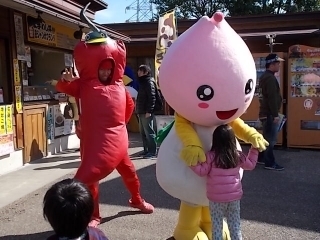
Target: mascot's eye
[87,37]
[205,93]
[249,87]
[103,35]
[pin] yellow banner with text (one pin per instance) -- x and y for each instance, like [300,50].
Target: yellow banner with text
[167,34]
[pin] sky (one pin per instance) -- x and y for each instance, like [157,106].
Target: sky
[116,12]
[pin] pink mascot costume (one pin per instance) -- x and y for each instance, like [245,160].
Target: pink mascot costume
[208,77]
[106,108]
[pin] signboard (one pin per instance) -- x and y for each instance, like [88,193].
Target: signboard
[6,130]
[167,33]
[50,34]
[18,27]
[50,124]
[163,121]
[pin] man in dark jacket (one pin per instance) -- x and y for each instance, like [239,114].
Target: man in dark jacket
[270,104]
[145,104]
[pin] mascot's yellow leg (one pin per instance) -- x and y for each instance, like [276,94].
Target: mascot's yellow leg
[206,225]
[188,223]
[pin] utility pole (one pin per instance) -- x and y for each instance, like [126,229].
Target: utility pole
[143,11]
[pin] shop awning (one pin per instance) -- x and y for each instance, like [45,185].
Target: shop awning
[244,35]
[96,5]
[67,16]
[278,33]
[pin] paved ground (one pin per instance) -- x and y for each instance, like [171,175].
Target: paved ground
[276,205]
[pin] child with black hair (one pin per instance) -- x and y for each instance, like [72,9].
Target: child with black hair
[68,207]
[224,189]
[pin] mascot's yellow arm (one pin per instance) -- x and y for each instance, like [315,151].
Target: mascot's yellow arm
[192,151]
[248,134]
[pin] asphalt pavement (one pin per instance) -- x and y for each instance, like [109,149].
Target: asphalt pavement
[276,205]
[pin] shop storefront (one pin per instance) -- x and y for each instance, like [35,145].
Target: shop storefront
[10,153]
[35,46]
[47,114]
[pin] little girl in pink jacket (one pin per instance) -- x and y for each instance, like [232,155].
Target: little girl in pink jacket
[224,189]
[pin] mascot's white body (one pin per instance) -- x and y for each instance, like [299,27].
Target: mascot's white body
[174,176]
[208,76]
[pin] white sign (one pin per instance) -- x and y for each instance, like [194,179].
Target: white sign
[308,103]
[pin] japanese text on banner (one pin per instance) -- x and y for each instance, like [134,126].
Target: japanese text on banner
[9,125]
[167,34]
[18,99]
[16,73]
[3,120]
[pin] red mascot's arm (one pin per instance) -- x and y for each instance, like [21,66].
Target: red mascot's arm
[129,106]
[70,88]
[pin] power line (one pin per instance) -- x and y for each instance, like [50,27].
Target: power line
[143,11]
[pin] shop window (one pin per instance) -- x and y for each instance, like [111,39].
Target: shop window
[5,79]
[43,66]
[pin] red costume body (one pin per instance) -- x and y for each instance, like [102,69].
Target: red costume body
[105,110]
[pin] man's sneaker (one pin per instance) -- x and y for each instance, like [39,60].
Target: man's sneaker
[144,207]
[142,154]
[150,155]
[275,167]
[260,163]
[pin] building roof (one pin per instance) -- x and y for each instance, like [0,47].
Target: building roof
[96,5]
[58,12]
[246,26]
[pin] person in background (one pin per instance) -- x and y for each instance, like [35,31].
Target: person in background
[224,189]
[145,104]
[270,103]
[68,207]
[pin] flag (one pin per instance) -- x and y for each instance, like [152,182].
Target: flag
[167,34]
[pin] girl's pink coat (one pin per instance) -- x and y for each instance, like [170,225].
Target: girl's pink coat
[224,185]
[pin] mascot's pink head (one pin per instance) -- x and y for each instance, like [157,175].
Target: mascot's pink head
[96,50]
[208,74]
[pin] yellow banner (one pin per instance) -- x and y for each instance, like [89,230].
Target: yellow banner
[9,119]
[167,34]
[51,34]
[16,73]
[3,120]
[18,99]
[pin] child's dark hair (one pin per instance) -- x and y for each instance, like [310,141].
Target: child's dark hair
[68,207]
[224,146]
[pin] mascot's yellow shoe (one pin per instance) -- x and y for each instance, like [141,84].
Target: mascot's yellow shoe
[188,224]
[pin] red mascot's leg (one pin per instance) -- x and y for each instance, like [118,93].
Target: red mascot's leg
[129,176]
[95,220]
[91,179]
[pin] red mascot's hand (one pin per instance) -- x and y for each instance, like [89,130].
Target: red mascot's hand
[69,88]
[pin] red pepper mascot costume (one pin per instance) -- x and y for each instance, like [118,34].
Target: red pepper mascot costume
[106,107]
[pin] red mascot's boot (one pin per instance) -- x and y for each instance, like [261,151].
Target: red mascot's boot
[129,176]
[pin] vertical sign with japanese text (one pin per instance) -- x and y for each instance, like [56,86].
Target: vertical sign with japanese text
[3,130]
[167,34]
[18,27]
[9,119]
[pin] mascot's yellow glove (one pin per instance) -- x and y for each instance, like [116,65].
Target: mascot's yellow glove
[192,151]
[192,155]
[249,134]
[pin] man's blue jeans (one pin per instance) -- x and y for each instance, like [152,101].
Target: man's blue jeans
[148,129]
[270,133]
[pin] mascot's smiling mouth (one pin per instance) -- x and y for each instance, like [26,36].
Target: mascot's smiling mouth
[224,115]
